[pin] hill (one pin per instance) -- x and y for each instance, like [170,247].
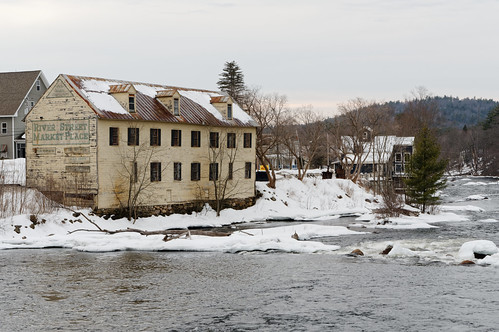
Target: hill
[456,112]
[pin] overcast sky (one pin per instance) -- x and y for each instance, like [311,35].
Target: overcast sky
[319,53]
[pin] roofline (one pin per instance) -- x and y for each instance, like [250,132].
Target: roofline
[40,75]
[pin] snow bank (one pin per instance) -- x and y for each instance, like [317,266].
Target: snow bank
[468,249]
[55,234]
[476,198]
[408,222]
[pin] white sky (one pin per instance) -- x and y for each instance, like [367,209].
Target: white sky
[315,52]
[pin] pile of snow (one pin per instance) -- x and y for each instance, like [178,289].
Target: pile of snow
[485,247]
[476,198]
[409,222]
[311,199]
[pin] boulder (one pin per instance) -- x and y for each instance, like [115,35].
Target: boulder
[387,250]
[357,252]
[467,262]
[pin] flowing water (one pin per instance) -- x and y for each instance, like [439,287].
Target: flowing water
[57,289]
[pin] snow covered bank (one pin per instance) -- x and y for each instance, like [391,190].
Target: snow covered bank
[311,199]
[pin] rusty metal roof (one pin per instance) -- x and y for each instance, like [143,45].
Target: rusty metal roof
[219,99]
[195,109]
[119,88]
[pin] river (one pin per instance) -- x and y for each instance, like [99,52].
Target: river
[66,290]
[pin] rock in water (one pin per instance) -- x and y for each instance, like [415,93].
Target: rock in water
[387,250]
[357,252]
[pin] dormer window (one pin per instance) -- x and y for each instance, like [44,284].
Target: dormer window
[229,111]
[131,103]
[176,108]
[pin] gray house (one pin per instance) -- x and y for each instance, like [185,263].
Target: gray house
[19,92]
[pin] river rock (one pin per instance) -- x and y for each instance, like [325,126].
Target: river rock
[387,250]
[357,252]
[467,262]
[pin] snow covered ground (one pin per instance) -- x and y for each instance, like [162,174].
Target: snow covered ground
[310,200]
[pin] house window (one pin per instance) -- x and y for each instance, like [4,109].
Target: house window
[155,172]
[247,140]
[31,104]
[213,171]
[176,137]
[176,108]
[113,136]
[231,140]
[4,127]
[133,136]
[195,139]
[177,171]
[365,135]
[231,171]
[155,137]
[247,170]
[134,175]
[398,168]
[407,157]
[229,111]
[37,85]
[398,157]
[131,103]
[195,171]
[214,140]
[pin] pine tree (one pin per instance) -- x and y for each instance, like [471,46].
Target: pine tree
[232,80]
[425,171]
[492,119]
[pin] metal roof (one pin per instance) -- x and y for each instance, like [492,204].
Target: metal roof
[149,108]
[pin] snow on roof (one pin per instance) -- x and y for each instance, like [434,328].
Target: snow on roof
[379,150]
[97,92]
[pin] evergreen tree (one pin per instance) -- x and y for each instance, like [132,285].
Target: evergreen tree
[425,171]
[232,81]
[492,119]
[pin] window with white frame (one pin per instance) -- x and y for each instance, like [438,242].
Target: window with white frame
[4,127]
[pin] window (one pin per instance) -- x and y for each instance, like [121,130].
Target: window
[247,140]
[113,136]
[31,104]
[155,172]
[407,157]
[247,170]
[195,171]
[131,103]
[133,136]
[231,171]
[195,139]
[155,137]
[214,140]
[177,171]
[398,168]
[4,127]
[229,111]
[231,140]
[398,157]
[176,137]
[37,85]
[213,171]
[176,108]
[135,172]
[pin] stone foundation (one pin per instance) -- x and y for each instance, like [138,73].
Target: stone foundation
[181,208]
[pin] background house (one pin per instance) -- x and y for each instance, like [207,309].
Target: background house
[19,92]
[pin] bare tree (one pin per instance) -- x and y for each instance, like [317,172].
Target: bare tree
[223,166]
[421,111]
[303,134]
[269,111]
[131,185]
